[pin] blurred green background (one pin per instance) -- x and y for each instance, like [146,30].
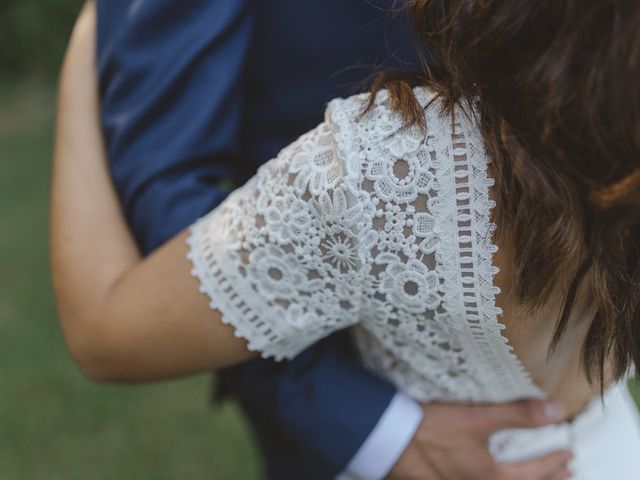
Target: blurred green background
[54,424]
[33,35]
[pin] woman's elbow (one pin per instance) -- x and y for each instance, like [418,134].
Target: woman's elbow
[92,367]
[91,350]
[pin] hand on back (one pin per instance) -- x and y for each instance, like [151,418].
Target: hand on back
[452,444]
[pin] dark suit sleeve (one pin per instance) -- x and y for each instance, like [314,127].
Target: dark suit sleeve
[171,88]
[171,83]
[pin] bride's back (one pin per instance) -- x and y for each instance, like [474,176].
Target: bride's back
[437,282]
[560,371]
[556,102]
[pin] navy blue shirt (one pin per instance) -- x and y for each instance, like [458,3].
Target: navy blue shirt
[195,96]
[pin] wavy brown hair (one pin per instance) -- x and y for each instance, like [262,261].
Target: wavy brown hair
[557,84]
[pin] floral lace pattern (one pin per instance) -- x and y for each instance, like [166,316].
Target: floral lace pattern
[279,257]
[359,223]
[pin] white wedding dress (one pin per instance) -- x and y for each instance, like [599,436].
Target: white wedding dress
[360,224]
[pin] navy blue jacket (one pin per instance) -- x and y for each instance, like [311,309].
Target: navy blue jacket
[195,96]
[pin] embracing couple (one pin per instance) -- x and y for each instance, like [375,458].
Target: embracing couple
[440,279]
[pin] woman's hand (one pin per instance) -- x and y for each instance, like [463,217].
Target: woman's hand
[123,317]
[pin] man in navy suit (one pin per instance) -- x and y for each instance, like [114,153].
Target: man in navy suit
[195,96]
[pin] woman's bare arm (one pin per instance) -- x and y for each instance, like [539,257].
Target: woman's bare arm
[123,317]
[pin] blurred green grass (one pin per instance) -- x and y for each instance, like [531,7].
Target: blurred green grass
[33,36]
[55,424]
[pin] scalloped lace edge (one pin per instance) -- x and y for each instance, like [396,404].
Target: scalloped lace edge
[213,289]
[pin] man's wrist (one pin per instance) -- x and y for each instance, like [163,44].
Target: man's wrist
[388,440]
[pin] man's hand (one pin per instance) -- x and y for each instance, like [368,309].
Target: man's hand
[452,444]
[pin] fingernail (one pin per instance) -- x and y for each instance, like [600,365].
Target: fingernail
[553,411]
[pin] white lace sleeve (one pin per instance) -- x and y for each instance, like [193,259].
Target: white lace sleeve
[279,258]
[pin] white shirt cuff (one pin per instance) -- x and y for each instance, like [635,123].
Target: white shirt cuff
[388,440]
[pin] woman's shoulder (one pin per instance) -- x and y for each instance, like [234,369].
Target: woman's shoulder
[366,127]
[356,104]
[369,132]
[365,116]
